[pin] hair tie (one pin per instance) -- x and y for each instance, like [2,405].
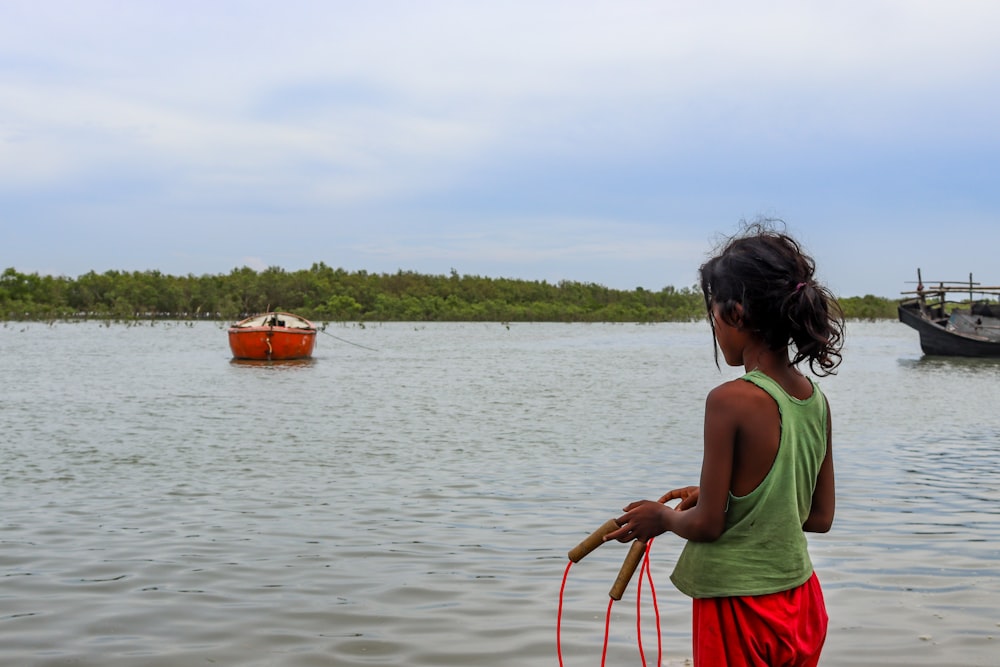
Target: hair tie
[798,288]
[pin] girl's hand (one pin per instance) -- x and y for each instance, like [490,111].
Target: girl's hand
[688,496]
[643,520]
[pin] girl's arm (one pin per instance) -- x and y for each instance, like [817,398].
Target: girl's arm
[824,495]
[705,521]
[688,496]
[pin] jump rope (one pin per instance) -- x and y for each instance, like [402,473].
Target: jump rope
[638,552]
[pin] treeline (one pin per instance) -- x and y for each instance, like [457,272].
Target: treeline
[325,294]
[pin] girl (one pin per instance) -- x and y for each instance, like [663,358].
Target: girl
[767,468]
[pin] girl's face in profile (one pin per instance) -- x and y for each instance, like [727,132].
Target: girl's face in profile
[730,338]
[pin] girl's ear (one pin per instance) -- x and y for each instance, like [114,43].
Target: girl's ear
[738,315]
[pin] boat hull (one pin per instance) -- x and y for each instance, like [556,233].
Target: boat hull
[936,339]
[272,337]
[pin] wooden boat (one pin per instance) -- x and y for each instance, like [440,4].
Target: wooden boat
[273,336]
[969,328]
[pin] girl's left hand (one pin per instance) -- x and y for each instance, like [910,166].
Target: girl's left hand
[688,497]
[643,520]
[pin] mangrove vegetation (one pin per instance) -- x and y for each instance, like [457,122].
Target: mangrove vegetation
[325,294]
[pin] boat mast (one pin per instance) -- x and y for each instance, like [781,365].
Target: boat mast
[920,292]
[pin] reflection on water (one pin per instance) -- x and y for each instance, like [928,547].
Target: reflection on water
[282,364]
[166,505]
[970,365]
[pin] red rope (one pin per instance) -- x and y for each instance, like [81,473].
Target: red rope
[638,604]
[643,571]
[607,631]
[647,572]
[656,608]
[562,589]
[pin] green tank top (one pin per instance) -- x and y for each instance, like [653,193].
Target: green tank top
[762,548]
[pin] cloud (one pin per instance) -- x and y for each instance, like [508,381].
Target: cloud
[526,132]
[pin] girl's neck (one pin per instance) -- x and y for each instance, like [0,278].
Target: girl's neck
[757,356]
[775,365]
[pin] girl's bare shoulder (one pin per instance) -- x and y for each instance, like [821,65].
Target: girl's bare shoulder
[738,393]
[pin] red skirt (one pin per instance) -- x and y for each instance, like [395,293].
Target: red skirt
[783,629]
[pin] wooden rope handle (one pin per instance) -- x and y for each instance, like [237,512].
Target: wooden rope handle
[635,554]
[595,540]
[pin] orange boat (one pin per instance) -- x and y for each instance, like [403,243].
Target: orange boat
[272,337]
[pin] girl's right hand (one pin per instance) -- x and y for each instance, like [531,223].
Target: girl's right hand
[688,497]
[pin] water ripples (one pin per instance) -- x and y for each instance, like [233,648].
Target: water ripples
[165,506]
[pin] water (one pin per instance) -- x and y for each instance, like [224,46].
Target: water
[165,506]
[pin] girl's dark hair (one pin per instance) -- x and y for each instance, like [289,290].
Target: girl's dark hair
[767,273]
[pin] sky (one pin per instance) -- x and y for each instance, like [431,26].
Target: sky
[602,142]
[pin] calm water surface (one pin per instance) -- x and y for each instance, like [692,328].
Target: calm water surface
[163,505]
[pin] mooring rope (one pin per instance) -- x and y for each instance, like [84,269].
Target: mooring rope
[347,341]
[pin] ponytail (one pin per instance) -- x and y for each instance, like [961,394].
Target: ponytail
[771,278]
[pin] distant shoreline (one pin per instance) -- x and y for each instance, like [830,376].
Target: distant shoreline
[325,294]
